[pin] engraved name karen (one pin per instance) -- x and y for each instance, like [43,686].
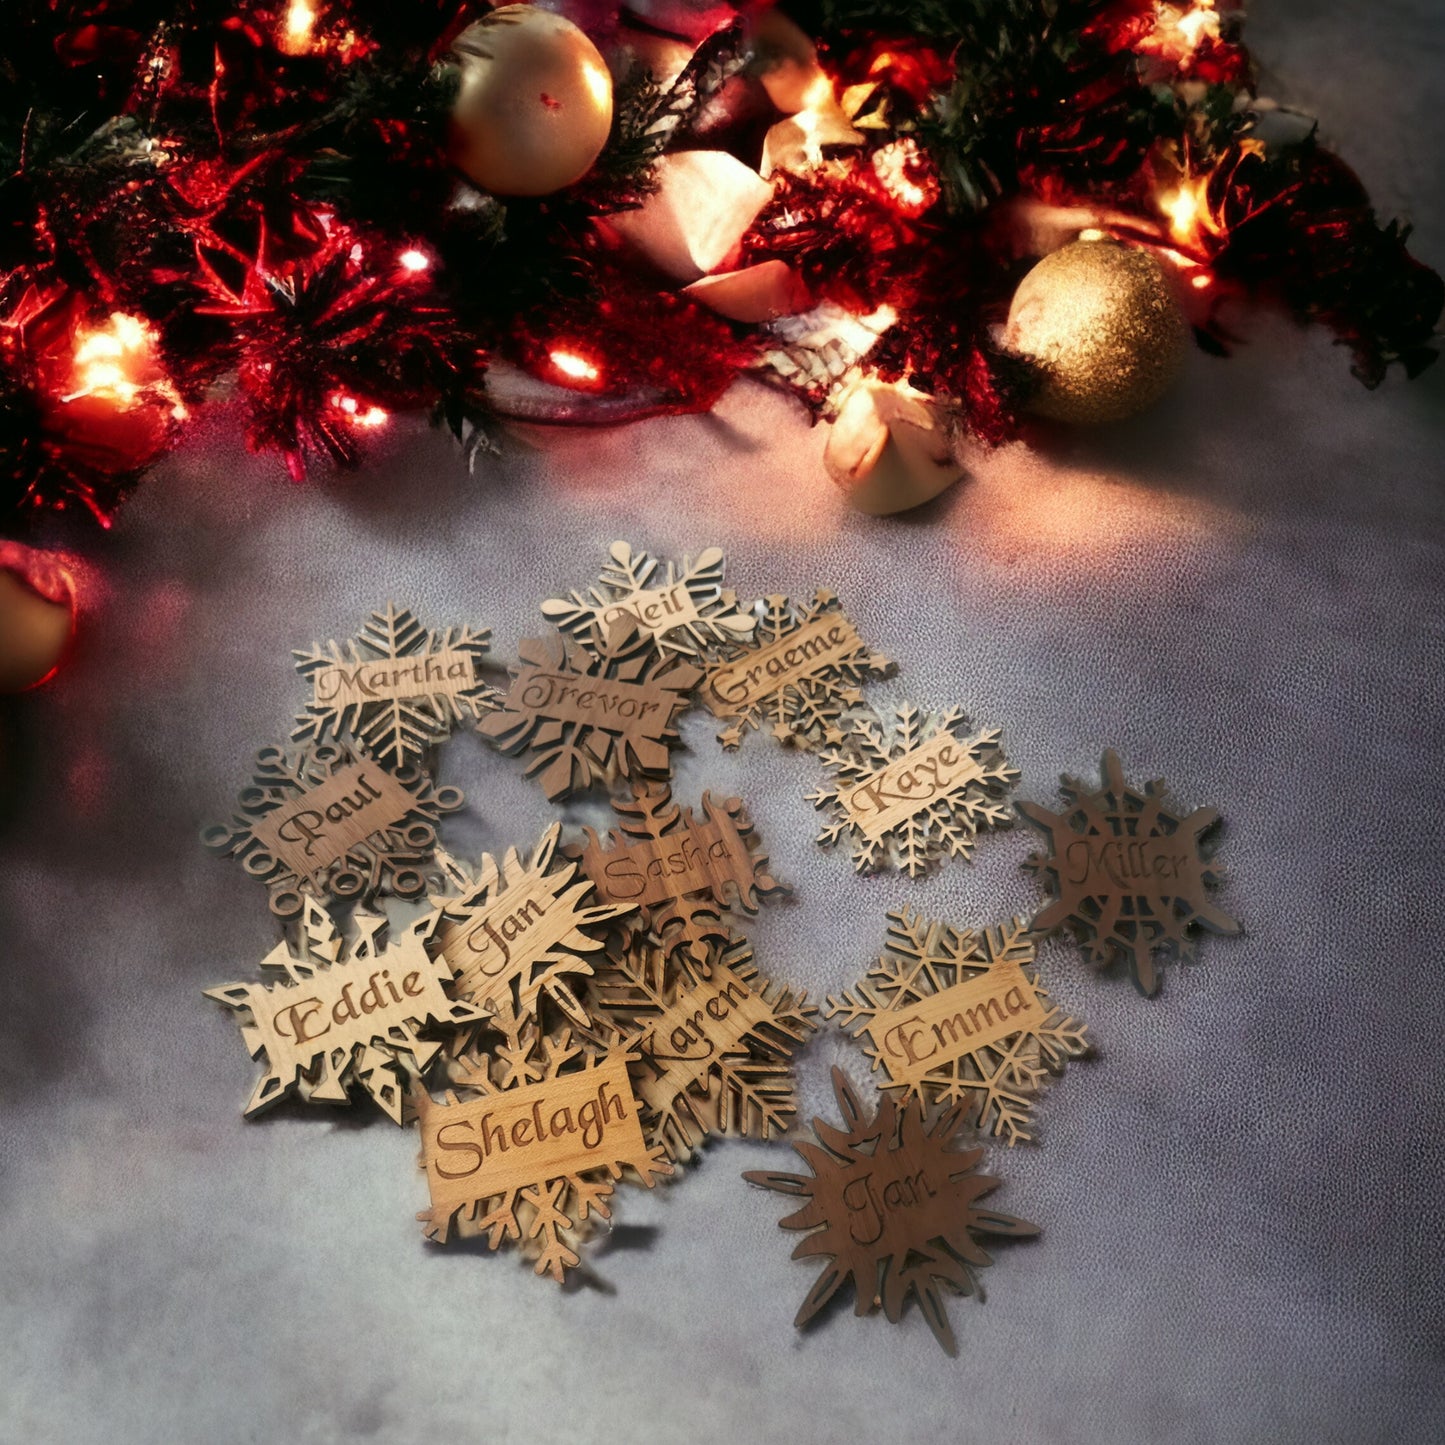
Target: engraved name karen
[957,1021]
[699,1027]
[801,654]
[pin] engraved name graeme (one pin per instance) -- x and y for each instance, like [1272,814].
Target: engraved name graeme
[444,672]
[802,654]
[909,784]
[528,1135]
[1131,865]
[312,831]
[969,1016]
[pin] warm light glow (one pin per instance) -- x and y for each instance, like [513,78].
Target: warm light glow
[117,361]
[913,194]
[300,21]
[371,416]
[1190,221]
[599,82]
[578,368]
[1179,31]
[414,261]
[1200,281]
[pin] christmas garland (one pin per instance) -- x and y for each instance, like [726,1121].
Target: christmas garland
[270,196]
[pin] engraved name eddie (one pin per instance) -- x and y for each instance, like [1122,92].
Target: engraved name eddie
[794,658]
[445,672]
[960,1020]
[909,784]
[523,1137]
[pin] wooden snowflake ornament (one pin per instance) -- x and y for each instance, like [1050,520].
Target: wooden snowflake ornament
[346,1014]
[684,873]
[687,611]
[524,929]
[958,1017]
[534,1152]
[805,667]
[395,688]
[1129,872]
[714,1053]
[911,796]
[592,714]
[327,823]
[892,1206]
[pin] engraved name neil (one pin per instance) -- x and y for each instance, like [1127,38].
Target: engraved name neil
[800,655]
[655,610]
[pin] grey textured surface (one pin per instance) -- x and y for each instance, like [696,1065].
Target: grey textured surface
[1240,1197]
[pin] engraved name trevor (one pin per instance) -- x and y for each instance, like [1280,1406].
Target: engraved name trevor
[959,1020]
[313,831]
[801,654]
[526,1136]
[909,784]
[608,704]
[437,674]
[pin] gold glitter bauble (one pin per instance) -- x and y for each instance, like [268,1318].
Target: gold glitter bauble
[534,105]
[1100,321]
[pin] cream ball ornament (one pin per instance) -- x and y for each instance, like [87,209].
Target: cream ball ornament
[533,107]
[1100,321]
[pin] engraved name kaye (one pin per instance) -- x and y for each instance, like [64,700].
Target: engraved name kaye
[601,703]
[702,856]
[882,1196]
[959,1020]
[1136,865]
[802,654]
[442,673]
[528,1135]
[907,785]
[702,1025]
[310,832]
[655,610]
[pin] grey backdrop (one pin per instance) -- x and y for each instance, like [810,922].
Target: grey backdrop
[1240,1197]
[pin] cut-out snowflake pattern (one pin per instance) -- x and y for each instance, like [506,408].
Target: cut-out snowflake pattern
[535,1150]
[715,1052]
[914,795]
[1129,871]
[395,688]
[346,1014]
[326,823]
[958,1017]
[592,714]
[527,926]
[686,611]
[892,1206]
[685,874]
[805,667]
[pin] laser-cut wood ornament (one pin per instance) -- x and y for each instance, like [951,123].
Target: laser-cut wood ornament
[806,666]
[524,928]
[591,715]
[395,687]
[955,1016]
[891,1205]
[347,1013]
[1129,871]
[684,874]
[327,823]
[914,793]
[535,1151]
[714,1052]
[685,610]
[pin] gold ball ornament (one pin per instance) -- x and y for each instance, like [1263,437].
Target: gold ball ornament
[1100,321]
[34,633]
[534,104]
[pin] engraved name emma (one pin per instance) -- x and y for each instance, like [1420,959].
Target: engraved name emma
[913,1039]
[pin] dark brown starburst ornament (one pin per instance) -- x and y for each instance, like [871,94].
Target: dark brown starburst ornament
[892,1206]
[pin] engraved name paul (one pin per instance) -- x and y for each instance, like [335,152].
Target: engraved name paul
[310,832]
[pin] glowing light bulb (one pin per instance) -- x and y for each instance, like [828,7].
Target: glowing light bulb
[117,361]
[575,367]
[300,21]
[414,261]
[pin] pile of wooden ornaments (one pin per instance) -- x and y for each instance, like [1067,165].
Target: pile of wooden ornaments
[575,1015]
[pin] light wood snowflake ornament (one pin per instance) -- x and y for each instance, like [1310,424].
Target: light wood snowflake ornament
[714,1053]
[395,688]
[914,795]
[594,714]
[891,1206]
[326,823]
[522,928]
[347,1014]
[1130,872]
[534,1151]
[685,611]
[805,668]
[958,1017]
